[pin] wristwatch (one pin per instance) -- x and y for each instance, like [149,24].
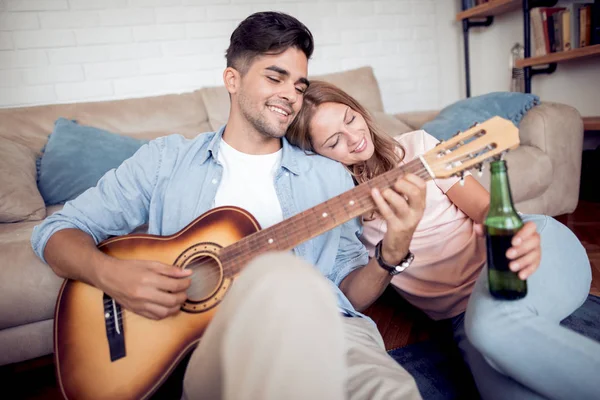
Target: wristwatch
[393,269]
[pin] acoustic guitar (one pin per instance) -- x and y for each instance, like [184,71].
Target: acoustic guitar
[103,351]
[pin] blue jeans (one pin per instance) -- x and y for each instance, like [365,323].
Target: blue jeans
[517,349]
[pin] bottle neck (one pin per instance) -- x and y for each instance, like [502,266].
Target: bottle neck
[500,195]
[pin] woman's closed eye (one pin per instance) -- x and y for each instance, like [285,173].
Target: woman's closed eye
[337,139]
[351,120]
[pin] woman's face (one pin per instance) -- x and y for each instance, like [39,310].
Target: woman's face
[340,133]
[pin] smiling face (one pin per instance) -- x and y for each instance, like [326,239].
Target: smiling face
[269,94]
[340,133]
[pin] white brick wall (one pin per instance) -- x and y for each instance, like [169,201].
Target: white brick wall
[54,51]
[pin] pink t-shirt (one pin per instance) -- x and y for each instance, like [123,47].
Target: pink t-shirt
[448,253]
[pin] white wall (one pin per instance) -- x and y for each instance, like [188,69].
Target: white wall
[56,51]
[576,83]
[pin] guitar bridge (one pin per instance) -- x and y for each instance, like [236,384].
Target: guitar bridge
[113,321]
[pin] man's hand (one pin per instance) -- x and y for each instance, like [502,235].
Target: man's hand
[526,250]
[402,207]
[147,288]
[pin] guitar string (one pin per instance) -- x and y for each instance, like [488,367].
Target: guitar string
[249,243]
[362,196]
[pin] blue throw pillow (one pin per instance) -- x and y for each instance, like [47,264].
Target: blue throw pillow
[461,115]
[76,157]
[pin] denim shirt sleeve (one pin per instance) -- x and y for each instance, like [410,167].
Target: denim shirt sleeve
[117,205]
[352,253]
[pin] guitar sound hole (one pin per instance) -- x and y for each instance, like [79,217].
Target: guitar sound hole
[206,278]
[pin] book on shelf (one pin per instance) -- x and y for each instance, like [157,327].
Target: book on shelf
[537,33]
[595,23]
[563,28]
[589,30]
[466,4]
[566,30]
[585,24]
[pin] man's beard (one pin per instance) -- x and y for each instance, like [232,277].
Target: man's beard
[260,121]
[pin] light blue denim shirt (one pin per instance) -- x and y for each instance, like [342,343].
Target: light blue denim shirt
[172,180]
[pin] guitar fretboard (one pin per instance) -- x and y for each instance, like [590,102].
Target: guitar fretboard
[315,221]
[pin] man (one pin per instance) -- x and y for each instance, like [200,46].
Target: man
[283,331]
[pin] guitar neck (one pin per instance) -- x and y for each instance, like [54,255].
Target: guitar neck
[315,221]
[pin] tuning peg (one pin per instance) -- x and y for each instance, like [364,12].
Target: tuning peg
[461,174]
[480,170]
[475,124]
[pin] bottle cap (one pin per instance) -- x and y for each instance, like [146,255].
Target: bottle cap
[498,166]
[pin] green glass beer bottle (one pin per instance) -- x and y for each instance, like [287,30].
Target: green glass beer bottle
[501,224]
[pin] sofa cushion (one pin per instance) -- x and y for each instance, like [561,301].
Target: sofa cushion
[529,170]
[25,342]
[77,156]
[463,114]
[390,125]
[20,199]
[359,83]
[144,118]
[28,287]
[217,103]
[416,119]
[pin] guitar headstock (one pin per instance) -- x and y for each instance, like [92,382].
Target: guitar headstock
[469,149]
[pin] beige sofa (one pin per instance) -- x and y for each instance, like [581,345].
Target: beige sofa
[544,173]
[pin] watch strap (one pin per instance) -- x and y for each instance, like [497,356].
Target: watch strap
[393,269]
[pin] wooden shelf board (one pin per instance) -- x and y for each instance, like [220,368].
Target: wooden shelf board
[591,123]
[580,52]
[493,7]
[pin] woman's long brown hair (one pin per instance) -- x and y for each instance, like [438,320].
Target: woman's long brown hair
[385,156]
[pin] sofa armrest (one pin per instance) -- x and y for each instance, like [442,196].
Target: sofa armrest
[557,130]
[417,119]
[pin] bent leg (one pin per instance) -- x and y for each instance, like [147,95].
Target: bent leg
[372,373]
[277,335]
[523,339]
[491,384]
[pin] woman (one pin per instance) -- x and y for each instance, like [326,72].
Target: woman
[515,349]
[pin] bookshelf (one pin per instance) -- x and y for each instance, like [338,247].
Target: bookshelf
[498,7]
[490,9]
[494,8]
[573,54]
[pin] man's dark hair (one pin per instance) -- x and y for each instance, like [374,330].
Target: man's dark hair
[266,32]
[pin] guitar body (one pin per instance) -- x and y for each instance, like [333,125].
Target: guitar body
[149,350]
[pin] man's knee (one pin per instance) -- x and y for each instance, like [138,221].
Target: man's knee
[386,386]
[280,267]
[283,274]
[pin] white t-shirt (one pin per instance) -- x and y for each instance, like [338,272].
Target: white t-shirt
[248,182]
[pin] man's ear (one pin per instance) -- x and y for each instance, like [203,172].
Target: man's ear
[231,78]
